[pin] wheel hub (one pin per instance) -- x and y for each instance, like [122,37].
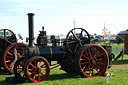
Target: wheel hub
[93,61]
[38,70]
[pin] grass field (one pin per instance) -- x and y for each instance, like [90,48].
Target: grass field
[59,77]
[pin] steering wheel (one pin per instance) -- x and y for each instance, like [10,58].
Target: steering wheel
[7,35]
[76,38]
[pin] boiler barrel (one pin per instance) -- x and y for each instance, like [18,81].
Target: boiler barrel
[52,53]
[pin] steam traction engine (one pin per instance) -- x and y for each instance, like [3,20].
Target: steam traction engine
[77,55]
[10,49]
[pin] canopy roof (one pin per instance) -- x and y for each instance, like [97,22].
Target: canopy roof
[123,34]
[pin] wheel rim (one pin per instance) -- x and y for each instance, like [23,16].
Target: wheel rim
[93,61]
[76,38]
[37,70]
[12,54]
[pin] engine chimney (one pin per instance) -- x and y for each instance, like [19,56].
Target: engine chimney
[31,29]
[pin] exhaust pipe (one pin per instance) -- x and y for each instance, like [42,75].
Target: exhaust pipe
[31,29]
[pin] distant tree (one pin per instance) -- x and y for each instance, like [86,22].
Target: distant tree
[119,39]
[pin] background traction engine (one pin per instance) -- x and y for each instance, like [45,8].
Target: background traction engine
[10,50]
[77,55]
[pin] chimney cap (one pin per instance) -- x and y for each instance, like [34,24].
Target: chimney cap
[30,14]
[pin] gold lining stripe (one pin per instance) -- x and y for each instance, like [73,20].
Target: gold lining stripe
[37,49]
[51,51]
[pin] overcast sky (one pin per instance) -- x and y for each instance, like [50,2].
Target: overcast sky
[57,16]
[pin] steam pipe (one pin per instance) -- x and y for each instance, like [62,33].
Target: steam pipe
[31,29]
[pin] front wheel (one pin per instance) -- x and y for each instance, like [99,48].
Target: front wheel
[19,67]
[36,69]
[91,61]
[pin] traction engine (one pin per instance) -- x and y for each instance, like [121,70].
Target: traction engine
[76,55]
[10,50]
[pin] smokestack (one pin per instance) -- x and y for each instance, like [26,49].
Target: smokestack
[31,29]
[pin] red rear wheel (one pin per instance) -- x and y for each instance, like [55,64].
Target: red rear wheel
[91,61]
[11,54]
[36,69]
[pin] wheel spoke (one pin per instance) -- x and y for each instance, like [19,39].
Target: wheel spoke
[43,69]
[9,64]
[98,66]
[74,36]
[80,44]
[81,32]
[99,59]
[22,51]
[87,68]
[85,57]
[85,63]
[94,49]
[99,55]
[20,70]
[10,53]
[96,69]
[71,42]
[32,65]
[8,61]
[31,69]
[95,53]
[92,70]
[76,48]
[84,67]
[10,57]
[42,74]
[100,63]
[42,65]
[86,52]
[90,53]
[39,76]
[34,76]
[83,60]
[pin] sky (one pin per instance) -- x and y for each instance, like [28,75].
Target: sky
[57,16]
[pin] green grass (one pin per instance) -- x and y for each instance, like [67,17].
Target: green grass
[59,77]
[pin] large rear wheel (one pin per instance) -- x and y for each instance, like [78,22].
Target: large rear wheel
[11,55]
[91,60]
